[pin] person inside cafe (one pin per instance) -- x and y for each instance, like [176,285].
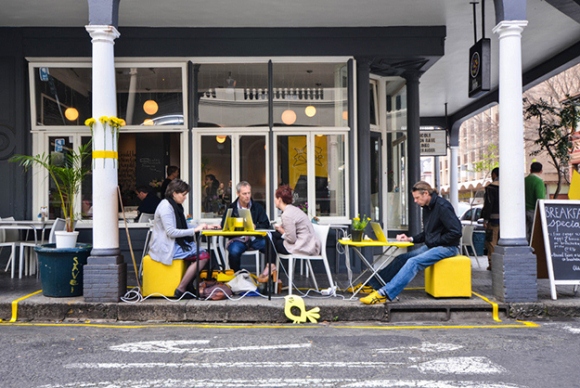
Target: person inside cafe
[149,201]
[172,173]
[295,234]
[238,245]
[440,239]
[173,238]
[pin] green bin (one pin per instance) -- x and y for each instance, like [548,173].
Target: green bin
[61,270]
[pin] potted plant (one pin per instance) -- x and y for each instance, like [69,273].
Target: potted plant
[358,227]
[67,171]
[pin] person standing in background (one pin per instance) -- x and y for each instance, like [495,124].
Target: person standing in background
[490,215]
[534,189]
[172,173]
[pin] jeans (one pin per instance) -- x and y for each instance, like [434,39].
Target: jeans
[237,248]
[406,266]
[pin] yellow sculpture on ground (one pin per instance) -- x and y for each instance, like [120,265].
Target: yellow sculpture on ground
[296,301]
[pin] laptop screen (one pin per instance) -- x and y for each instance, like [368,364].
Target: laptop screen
[248,222]
[378,232]
[227,226]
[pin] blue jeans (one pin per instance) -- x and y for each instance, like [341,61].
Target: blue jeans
[237,248]
[406,266]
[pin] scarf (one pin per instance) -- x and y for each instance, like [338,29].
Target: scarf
[180,223]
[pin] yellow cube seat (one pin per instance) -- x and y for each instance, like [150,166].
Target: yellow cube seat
[161,279]
[449,278]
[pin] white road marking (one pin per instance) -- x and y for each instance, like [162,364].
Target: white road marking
[175,347]
[424,348]
[262,383]
[573,330]
[459,365]
[240,364]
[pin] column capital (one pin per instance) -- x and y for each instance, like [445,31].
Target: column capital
[102,33]
[510,27]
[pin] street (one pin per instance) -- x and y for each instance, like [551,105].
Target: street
[510,354]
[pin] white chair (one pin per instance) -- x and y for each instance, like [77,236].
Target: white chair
[221,248]
[9,238]
[29,260]
[322,233]
[467,242]
[146,217]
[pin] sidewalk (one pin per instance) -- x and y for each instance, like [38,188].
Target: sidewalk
[414,305]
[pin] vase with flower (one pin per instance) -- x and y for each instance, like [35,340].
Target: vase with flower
[358,226]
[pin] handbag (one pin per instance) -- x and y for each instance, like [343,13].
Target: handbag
[212,290]
[242,282]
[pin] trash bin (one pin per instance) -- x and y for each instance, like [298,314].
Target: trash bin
[479,241]
[61,270]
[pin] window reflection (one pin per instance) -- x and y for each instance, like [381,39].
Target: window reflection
[216,190]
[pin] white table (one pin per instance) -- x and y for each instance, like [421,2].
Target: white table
[24,225]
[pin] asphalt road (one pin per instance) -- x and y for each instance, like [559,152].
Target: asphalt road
[509,354]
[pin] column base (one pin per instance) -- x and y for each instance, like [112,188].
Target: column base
[105,279]
[514,274]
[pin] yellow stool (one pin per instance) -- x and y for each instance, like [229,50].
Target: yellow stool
[449,278]
[161,279]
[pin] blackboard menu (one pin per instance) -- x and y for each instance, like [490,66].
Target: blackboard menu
[561,224]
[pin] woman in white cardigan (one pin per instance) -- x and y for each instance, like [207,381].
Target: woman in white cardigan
[296,234]
[173,238]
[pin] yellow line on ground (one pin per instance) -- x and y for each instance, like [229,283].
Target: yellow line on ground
[15,305]
[521,325]
[494,307]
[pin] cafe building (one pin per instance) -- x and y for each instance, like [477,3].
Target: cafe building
[333,111]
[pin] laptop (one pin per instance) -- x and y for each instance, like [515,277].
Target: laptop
[248,221]
[227,226]
[379,234]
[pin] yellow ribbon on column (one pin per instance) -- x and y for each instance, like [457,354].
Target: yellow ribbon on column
[105,155]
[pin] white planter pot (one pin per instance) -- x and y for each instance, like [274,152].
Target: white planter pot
[66,239]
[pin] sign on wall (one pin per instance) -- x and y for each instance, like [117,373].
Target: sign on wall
[433,143]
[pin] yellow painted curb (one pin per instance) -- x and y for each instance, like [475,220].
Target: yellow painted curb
[15,305]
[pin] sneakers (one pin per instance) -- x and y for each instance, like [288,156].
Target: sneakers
[373,298]
[363,290]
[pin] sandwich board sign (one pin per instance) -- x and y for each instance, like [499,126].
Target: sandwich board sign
[556,232]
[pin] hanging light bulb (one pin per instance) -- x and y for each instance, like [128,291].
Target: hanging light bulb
[345,115]
[288,117]
[71,114]
[150,107]
[220,139]
[310,111]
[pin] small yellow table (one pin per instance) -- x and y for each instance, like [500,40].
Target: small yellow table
[388,255]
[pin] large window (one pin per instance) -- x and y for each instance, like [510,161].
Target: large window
[314,165]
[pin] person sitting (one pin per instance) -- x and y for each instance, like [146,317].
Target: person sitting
[295,234]
[149,201]
[173,239]
[440,237]
[172,173]
[237,246]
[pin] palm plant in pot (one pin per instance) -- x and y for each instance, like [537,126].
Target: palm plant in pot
[67,172]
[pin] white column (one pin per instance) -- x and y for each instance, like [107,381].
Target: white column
[453,177]
[105,161]
[511,130]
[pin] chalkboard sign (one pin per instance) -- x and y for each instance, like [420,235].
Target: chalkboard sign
[560,221]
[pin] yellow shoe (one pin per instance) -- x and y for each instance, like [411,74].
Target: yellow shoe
[373,298]
[364,290]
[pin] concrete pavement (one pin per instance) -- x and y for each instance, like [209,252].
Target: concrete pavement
[414,305]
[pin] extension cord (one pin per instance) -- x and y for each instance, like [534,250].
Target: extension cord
[329,291]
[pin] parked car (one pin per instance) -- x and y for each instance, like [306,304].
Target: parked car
[472,216]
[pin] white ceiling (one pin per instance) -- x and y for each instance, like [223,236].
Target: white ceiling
[548,32]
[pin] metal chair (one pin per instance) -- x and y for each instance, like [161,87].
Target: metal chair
[9,238]
[322,233]
[467,242]
[146,217]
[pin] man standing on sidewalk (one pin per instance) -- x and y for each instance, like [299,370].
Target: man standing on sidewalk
[440,237]
[535,189]
[490,214]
